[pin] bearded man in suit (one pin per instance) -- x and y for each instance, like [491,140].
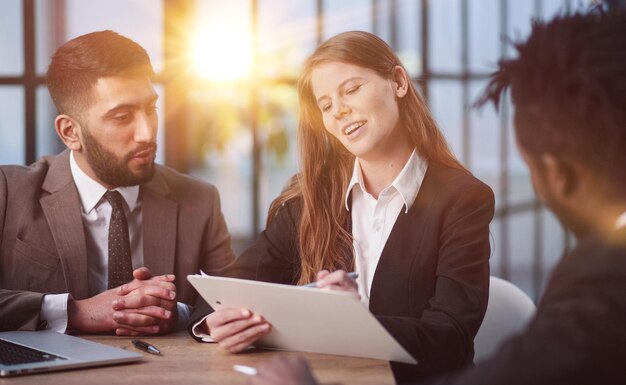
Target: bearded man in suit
[99,238]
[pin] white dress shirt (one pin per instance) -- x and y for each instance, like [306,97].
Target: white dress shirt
[373,219]
[96,215]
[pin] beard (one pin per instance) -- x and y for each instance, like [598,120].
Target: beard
[114,170]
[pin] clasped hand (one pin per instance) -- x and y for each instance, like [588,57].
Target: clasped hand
[146,305]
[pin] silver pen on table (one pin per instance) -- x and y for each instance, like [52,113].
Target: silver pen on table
[146,347]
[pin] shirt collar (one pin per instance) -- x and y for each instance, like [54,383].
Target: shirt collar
[407,183]
[621,221]
[91,192]
[356,180]
[410,179]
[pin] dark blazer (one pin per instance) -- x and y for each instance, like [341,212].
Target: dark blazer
[431,284]
[42,240]
[578,335]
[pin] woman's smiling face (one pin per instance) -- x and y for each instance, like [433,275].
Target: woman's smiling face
[359,107]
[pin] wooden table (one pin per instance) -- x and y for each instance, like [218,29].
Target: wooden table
[184,361]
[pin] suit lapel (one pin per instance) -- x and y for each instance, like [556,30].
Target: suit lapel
[160,216]
[404,240]
[62,210]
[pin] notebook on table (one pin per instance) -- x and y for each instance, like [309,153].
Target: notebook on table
[23,352]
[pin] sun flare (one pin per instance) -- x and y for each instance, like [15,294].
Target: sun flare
[222,52]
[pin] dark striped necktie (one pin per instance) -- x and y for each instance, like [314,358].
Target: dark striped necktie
[120,263]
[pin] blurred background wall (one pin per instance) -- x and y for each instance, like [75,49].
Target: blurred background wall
[226,73]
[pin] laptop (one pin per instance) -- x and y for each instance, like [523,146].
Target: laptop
[23,352]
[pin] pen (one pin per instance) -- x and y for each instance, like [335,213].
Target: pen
[247,370]
[352,275]
[146,347]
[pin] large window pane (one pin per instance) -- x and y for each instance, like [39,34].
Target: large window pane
[48,34]
[223,40]
[484,139]
[48,142]
[446,103]
[549,8]
[382,20]
[220,134]
[286,36]
[484,33]
[409,46]
[346,15]
[520,188]
[278,126]
[519,15]
[445,36]
[140,20]
[222,147]
[12,135]
[12,32]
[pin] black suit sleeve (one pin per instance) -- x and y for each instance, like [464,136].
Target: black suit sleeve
[442,338]
[272,258]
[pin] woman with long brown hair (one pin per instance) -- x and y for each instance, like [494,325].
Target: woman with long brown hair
[380,193]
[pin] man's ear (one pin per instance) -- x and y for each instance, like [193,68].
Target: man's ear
[400,81]
[68,130]
[561,176]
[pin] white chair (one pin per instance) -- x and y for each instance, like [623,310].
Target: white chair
[508,311]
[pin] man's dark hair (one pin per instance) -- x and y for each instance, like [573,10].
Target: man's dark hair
[78,64]
[568,85]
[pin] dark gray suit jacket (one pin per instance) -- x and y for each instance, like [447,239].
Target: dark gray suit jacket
[578,335]
[42,239]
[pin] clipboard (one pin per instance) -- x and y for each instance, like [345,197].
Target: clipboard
[306,319]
